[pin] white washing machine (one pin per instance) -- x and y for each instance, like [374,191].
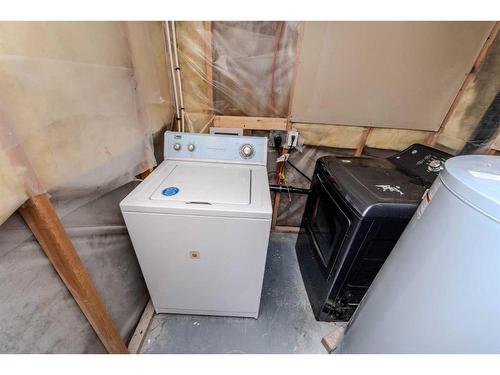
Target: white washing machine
[200,225]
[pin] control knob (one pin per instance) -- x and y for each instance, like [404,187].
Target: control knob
[177,146]
[246,151]
[435,165]
[191,147]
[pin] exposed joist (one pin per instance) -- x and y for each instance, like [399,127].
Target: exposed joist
[251,123]
[43,221]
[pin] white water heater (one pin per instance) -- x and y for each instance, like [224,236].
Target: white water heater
[439,290]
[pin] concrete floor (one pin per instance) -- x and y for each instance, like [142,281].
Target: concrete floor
[286,323]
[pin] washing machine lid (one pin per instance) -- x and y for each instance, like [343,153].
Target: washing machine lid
[205,184]
[475,179]
[204,189]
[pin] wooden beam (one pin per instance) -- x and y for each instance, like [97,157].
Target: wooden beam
[43,221]
[277,195]
[362,142]
[432,138]
[146,173]
[135,344]
[298,53]
[209,71]
[250,123]
[276,206]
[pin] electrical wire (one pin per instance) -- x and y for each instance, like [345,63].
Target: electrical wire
[298,170]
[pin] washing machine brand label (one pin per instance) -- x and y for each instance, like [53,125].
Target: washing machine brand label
[171,190]
[390,188]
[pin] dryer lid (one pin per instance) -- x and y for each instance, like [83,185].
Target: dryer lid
[206,184]
[476,179]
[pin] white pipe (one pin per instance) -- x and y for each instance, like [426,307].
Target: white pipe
[178,71]
[172,72]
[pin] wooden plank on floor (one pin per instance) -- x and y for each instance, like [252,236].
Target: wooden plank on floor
[333,339]
[141,329]
[251,123]
[43,221]
[286,229]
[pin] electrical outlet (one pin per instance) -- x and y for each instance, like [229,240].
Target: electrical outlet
[277,138]
[293,137]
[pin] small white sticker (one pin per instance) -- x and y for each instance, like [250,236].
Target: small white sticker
[390,188]
[427,197]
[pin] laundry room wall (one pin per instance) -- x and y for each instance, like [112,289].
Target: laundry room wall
[83,106]
[80,103]
[236,68]
[247,69]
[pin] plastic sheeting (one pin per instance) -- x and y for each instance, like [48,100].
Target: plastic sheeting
[78,104]
[37,313]
[246,68]
[251,65]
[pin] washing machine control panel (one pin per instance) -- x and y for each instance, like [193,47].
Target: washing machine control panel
[212,147]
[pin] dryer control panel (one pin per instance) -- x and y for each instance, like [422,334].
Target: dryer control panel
[422,161]
[211,147]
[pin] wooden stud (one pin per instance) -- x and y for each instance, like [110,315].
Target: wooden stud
[135,344]
[250,123]
[362,142]
[277,195]
[40,216]
[432,138]
[43,221]
[209,71]
[296,64]
[146,173]
[276,206]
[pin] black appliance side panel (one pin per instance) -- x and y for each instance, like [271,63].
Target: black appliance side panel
[317,276]
[360,267]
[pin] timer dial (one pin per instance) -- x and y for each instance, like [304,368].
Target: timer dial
[247,151]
